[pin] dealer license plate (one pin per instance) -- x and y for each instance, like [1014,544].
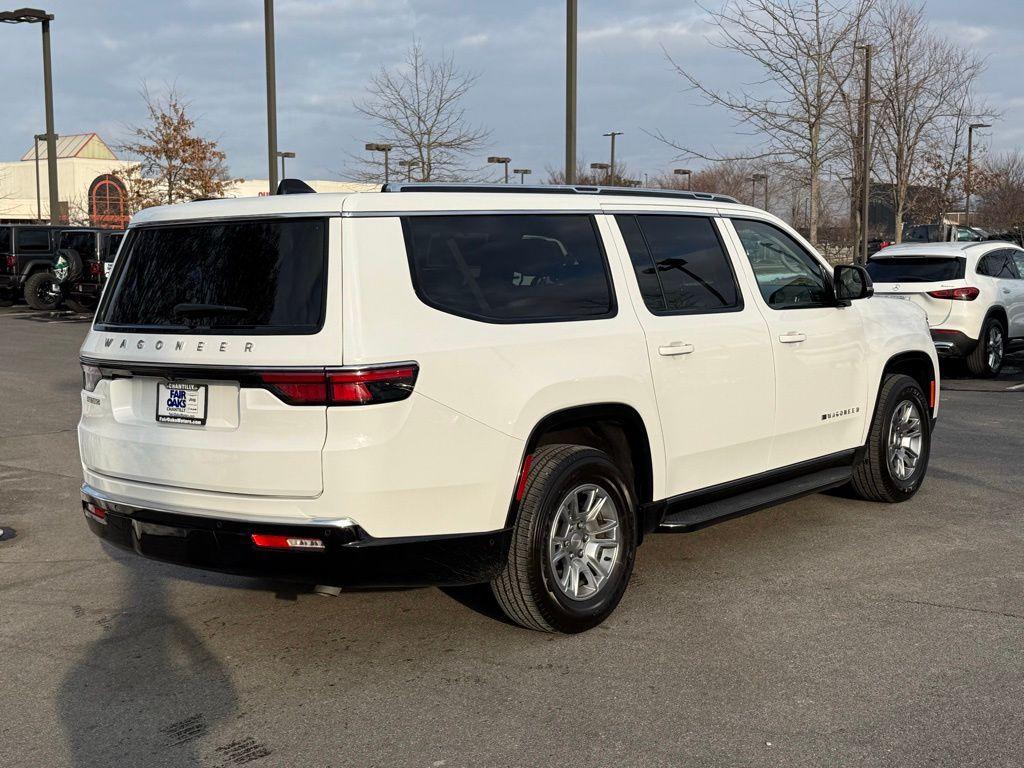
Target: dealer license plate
[180,403]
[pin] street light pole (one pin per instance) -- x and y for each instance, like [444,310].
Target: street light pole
[523,173]
[268,29]
[571,16]
[685,172]
[39,198]
[283,155]
[865,191]
[496,160]
[386,149]
[970,168]
[611,164]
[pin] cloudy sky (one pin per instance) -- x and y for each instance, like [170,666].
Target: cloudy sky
[105,50]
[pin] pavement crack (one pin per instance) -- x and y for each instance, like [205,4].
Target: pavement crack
[953,607]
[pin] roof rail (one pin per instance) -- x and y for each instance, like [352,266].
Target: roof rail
[550,189]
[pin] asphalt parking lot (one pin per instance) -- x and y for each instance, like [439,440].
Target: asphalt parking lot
[823,632]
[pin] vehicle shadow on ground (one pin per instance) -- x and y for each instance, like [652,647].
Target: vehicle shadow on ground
[148,690]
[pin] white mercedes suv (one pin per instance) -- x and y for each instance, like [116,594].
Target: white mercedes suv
[459,385]
[973,294]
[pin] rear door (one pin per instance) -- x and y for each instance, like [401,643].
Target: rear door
[1017,316]
[917,278]
[708,346]
[195,321]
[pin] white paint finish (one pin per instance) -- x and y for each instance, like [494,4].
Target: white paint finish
[717,402]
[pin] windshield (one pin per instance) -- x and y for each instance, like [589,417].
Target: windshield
[916,270]
[246,276]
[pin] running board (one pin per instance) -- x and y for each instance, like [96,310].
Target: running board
[690,518]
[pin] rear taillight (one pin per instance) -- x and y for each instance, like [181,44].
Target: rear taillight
[967,293]
[347,386]
[96,513]
[94,269]
[91,376]
[10,261]
[272,541]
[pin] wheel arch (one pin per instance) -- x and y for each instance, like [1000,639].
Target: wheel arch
[615,428]
[917,365]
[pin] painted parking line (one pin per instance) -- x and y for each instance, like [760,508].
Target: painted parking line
[1016,387]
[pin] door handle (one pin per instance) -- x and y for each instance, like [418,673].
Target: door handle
[793,337]
[1006,290]
[675,348]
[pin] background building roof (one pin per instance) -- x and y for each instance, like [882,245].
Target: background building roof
[87,145]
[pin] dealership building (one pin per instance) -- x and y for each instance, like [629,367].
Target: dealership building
[89,188]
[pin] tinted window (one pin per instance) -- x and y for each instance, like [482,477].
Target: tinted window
[916,270]
[787,276]
[510,268]
[680,264]
[82,242]
[998,264]
[253,276]
[113,242]
[1018,259]
[5,239]
[30,240]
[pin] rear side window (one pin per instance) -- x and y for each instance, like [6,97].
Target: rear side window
[113,242]
[5,240]
[998,264]
[261,277]
[510,268]
[33,240]
[916,270]
[680,264]
[84,243]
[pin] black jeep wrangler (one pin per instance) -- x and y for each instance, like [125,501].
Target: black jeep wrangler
[27,254]
[83,263]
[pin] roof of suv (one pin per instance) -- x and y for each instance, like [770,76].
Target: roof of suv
[437,198]
[935,250]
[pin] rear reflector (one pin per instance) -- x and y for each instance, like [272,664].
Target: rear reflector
[96,513]
[967,293]
[931,395]
[270,541]
[345,386]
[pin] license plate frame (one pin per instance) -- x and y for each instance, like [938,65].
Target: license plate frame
[194,403]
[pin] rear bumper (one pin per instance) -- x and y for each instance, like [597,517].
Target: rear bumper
[953,343]
[350,557]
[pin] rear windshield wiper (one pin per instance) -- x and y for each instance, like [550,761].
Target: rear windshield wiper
[208,310]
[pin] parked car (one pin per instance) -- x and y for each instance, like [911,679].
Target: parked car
[471,384]
[83,262]
[27,254]
[973,294]
[941,233]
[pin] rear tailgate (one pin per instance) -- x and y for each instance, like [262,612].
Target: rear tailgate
[916,279]
[194,317]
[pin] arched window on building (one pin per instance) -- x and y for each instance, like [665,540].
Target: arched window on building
[108,204]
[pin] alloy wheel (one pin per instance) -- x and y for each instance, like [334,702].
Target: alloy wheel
[995,347]
[905,440]
[583,542]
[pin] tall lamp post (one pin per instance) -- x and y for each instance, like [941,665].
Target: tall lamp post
[39,198]
[865,191]
[36,16]
[685,172]
[283,155]
[611,161]
[760,177]
[408,165]
[571,17]
[268,32]
[970,167]
[386,149]
[500,161]
[523,173]
[602,167]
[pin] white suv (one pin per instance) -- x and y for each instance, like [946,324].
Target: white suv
[458,385]
[973,294]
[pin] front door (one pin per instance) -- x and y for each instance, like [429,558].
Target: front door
[708,346]
[819,347]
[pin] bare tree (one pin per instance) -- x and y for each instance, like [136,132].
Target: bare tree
[175,165]
[727,176]
[800,47]
[925,83]
[417,108]
[1000,185]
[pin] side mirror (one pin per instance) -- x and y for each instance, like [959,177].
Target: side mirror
[852,282]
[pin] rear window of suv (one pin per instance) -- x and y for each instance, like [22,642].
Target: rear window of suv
[916,270]
[510,268]
[260,277]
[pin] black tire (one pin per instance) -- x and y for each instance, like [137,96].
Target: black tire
[873,477]
[39,294]
[525,589]
[978,362]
